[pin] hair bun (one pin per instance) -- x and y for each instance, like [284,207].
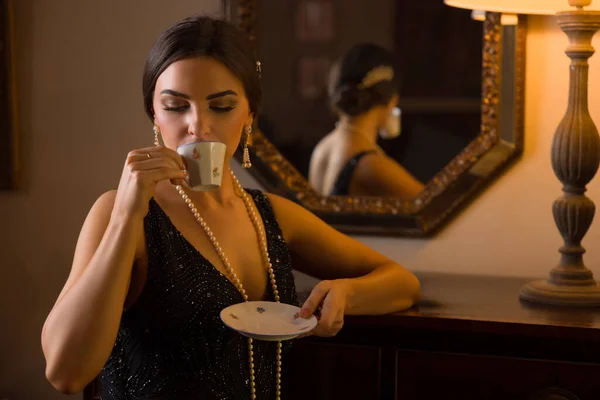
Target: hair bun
[365,77]
[351,100]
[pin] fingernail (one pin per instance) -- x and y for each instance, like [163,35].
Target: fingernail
[304,313]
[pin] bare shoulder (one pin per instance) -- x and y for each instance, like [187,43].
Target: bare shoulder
[320,153]
[99,218]
[90,236]
[370,168]
[381,175]
[106,201]
[323,142]
[99,215]
[326,144]
[289,215]
[372,163]
[279,202]
[283,207]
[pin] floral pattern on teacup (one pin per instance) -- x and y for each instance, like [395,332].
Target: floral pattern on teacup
[216,172]
[260,310]
[195,154]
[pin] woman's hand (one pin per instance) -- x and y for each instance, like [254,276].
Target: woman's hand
[144,168]
[327,302]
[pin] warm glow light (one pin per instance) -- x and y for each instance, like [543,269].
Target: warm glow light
[509,19]
[478,15]
[506,19]
[544,7]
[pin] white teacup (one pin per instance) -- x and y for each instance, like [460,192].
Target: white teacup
[204,162]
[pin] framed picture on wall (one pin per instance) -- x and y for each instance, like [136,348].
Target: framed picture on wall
[315,21]
[9,144]
[312,76]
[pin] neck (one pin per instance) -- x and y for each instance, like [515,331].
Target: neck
[219,197]
[365,125]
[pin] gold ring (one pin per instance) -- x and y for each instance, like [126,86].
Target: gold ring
[148,155]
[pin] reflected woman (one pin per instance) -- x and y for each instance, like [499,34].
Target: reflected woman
[363,91]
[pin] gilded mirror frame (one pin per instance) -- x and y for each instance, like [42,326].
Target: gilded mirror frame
[499,143]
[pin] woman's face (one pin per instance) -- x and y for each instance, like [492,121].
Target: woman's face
[200,99]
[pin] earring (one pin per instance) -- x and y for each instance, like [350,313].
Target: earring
[156,131]
[246,153]
[259,69]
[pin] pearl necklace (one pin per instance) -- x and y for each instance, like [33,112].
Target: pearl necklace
[234,278]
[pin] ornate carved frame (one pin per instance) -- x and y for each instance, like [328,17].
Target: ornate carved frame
[447,193]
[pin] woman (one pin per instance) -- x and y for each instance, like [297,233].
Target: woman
[155,262]
[363,91]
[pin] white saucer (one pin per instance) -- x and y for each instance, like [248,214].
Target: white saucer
[266,320]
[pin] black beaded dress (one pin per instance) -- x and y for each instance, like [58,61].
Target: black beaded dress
[171,343]
[342,184]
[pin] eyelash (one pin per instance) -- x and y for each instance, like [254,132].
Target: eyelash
[181,109]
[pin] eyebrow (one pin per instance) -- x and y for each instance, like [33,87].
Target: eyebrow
[209,97]
[175,93]
[221,94]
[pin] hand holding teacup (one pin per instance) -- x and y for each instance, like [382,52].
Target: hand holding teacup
[144,169]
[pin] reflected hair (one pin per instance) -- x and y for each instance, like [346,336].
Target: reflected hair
[202,36]
[365,77]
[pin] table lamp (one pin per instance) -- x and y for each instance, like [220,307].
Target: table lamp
[575,150]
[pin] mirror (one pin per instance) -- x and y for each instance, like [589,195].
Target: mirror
[460,95]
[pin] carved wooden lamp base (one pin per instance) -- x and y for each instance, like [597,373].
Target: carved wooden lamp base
[546,292]
[575,160]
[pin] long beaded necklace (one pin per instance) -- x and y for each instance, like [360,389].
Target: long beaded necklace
[233,276]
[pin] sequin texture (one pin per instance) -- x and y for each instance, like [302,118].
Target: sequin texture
[172,344]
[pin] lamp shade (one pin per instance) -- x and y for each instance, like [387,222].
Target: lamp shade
[543,7]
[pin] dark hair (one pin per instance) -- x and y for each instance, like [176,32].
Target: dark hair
[346,75]
[203,36]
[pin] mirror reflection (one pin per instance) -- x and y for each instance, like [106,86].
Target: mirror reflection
[363,91]
[372,98]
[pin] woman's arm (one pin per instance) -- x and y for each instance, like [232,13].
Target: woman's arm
[377,175]
[81,329]
[357,279]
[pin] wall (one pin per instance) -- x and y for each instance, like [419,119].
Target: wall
[79,75]
[76,58]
